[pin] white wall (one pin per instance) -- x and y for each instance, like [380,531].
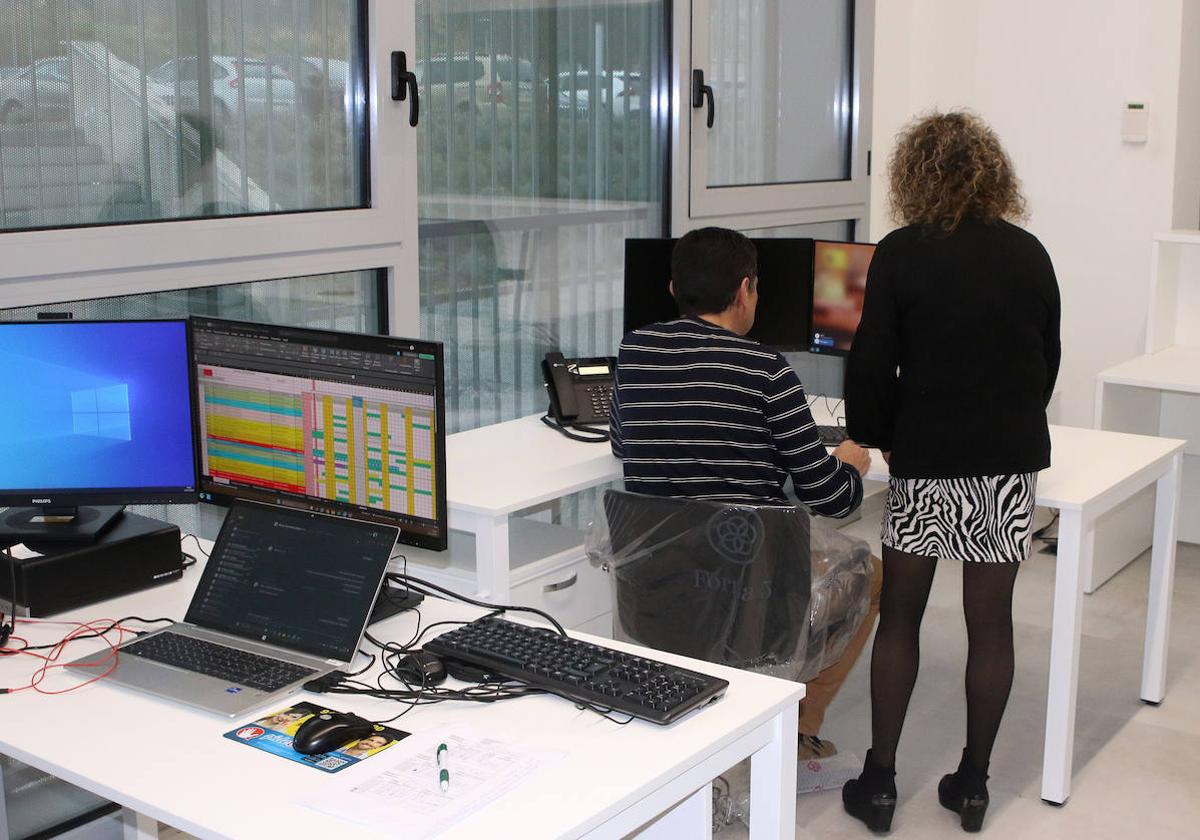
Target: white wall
[1051,78]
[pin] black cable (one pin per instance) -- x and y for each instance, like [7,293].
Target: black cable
[108,630]
[423,695]
[504,607]
[188,560]
[199,547]
[368,667]
[600,435]
[1040,533]
[833,412]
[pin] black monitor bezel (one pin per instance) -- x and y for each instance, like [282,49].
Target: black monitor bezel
[224,495]
[57,497]
[812,316]
[788,347]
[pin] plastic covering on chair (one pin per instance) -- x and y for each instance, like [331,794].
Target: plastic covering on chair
[767,589]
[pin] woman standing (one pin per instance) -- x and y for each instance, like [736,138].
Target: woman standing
[950,373]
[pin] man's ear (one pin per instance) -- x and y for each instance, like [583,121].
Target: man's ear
[744,288]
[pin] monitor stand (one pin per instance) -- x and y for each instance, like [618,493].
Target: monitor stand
[55,525]
[394,600]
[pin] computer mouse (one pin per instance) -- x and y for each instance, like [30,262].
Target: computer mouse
[421,668]
[328,731]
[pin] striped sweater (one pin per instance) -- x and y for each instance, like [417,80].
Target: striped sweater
[702,413]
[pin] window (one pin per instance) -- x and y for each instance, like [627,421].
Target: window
[536,162]
[194,151]
[143,110]
[351,302]
[789,85]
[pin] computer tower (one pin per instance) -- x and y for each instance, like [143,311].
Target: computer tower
[136,553]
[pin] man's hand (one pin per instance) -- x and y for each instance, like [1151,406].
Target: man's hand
[854,455]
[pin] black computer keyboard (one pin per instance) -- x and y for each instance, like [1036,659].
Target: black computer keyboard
[832,435]
[644,688]
[214,660]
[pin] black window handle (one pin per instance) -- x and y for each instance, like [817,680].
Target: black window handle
[701,92]
[404,82]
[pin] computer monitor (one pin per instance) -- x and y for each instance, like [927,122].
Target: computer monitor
[839,288]
[338,423]
[784,289]
[97,415]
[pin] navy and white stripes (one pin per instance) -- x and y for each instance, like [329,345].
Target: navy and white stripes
[702,413]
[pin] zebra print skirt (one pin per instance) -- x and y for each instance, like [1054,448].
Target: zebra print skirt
[988,519]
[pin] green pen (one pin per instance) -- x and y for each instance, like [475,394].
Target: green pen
[443,773]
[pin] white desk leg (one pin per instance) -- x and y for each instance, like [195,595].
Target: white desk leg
[138,826]
[491,554]
[1074,547]
[1162,582]
[690,818]
[773,780]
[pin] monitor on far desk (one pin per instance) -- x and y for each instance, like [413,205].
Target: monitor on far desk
[839,289]
[782,319]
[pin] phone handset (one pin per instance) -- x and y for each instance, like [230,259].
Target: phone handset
[564,405]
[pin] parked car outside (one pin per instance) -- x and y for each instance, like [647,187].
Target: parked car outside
[42,89]
[619,90]
[262,86]
[462,83]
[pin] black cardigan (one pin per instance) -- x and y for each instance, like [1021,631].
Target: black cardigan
[957,353]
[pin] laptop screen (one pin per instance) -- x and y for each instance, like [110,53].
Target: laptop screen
[303,581]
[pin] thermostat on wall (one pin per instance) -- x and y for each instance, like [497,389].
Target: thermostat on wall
[1135,122]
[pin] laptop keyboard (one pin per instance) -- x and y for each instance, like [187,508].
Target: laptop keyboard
[219,661]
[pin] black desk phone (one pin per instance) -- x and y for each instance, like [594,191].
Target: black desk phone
[580,390]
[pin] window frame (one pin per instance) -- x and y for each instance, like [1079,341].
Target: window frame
[765,205]
[42,266]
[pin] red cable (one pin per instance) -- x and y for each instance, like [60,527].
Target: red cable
[49,660]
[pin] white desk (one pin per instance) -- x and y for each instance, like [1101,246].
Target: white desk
[494,471]
[1154,394]
[169,763]
[1092,472]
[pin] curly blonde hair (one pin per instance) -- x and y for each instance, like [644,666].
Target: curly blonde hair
[947,167]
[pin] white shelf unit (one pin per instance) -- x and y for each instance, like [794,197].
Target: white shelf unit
[1157,393]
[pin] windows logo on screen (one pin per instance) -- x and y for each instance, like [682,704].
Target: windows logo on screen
[102,412]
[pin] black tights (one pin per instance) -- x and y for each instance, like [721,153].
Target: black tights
[987,604]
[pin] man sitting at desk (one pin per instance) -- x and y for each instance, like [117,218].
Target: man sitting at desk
[701,412]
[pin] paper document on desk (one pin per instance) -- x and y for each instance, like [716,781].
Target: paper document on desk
[409,795]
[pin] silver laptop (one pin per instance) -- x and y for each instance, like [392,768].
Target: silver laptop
[284,598]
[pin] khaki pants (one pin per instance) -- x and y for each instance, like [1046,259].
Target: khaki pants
[820,691]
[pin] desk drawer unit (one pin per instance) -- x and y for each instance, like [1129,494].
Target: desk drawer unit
[548,571]
[573,591]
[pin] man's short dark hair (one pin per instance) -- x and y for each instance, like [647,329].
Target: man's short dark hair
[707,266]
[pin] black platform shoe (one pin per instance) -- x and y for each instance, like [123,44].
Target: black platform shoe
[965,793]
[872,796]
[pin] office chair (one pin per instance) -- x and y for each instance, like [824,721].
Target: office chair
[731,584]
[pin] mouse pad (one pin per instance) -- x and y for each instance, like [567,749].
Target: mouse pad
[273,734]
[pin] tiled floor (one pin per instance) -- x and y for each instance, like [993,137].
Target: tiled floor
[1137,767]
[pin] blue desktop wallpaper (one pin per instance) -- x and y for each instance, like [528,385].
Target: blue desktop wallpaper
[91,406]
